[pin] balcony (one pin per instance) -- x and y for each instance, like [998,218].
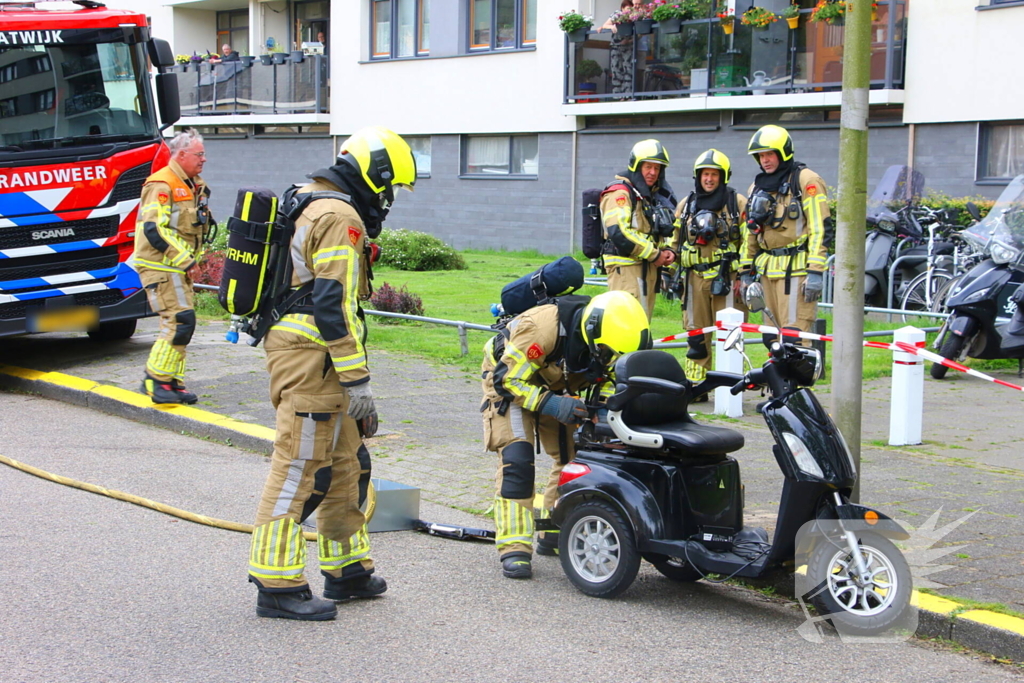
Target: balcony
[702,61]
[293,86]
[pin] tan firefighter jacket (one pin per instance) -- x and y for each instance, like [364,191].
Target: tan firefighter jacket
[625,225]
[799,244]
[328,250]
[706,259]
[525,366]
[168,234]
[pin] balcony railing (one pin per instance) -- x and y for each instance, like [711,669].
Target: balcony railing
[703,60]
[254,86]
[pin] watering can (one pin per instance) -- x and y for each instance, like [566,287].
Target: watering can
[758,85]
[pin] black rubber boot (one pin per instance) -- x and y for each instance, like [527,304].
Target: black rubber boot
[186,395]
[365,586]
[517,566]
[547,544]
[301,605]
[160,391]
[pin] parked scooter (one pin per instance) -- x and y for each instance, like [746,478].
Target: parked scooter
[980,302]
[649,482]
[891,219]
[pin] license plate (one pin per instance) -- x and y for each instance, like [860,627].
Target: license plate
[73,318]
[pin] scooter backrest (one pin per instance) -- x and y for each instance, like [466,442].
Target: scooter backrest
[650,408]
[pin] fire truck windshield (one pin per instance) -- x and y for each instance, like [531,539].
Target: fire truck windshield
[67,96]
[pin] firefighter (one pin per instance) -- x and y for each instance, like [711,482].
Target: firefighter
[533,372]
[173,222]
[709,233]
[635,224]
[787,217]
[320,387]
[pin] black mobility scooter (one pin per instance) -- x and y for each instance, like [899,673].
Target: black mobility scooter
[649,482]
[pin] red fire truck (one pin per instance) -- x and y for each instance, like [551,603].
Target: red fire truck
[79,134]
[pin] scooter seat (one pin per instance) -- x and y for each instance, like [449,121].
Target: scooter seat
[696,440]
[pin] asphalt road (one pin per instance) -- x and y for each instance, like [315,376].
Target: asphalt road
[95,589]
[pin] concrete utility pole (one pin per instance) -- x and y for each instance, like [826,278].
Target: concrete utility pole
[848,310]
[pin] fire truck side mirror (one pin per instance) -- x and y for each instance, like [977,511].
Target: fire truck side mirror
[167,99]
[160,53]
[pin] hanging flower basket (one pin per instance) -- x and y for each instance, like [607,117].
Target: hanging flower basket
[577,36]
[727,20]
[624,30]
[727,27]
[794,22]
[670,25]
[644,26]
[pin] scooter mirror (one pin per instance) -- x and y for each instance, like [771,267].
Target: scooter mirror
[734,340]
[754,297]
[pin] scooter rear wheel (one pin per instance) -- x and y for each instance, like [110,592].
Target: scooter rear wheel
[598,550]
[856,607]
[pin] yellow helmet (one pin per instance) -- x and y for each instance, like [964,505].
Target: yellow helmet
[647,150]
[384,160]
[713,159]
[615,323]
[772,139]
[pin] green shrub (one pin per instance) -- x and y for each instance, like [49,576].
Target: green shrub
[941,200]
[411,250]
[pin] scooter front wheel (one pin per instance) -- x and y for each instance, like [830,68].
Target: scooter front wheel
[598,550]
[861,605]
[951,347]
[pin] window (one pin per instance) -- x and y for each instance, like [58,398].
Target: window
[312,21]
[500,155]
[1001,150]
[233,30]
[44,100]
[421,152]
[502,24]
[401,28]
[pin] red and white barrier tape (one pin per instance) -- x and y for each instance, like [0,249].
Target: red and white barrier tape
[895,346]
[691,333]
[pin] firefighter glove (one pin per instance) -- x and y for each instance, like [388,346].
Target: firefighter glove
[566,409]
[812,286]
[360,401]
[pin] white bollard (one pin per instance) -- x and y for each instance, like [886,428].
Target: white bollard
[728,361]
[907,407]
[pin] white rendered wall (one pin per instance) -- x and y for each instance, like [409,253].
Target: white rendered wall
[962,63]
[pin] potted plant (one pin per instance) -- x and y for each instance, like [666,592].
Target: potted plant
[832,12]
[575,25]
[792,15]
[642,19]
[758,18]
[670,15]
[588,69]
[727,19]
[623,20]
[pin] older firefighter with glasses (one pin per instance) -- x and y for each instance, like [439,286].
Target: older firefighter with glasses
[787,219]
[534,372]
[709,233]
[320,386]
[636,223]
[174,218]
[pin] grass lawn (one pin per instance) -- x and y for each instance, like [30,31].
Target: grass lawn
[466,295]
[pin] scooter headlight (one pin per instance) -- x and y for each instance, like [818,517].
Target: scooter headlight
[802,454]
[887,226]
[1002,253]
[977,296]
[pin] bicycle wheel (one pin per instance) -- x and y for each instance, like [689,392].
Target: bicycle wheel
[944,292]
[922,291]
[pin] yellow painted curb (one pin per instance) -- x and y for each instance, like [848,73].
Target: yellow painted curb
[933,603]
[138,400]
[1000,621]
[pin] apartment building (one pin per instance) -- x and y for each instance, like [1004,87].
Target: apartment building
[511,121]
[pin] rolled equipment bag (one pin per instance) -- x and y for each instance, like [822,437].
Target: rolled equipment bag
[557,278]
[252,233]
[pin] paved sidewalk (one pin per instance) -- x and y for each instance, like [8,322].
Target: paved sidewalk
[968,462]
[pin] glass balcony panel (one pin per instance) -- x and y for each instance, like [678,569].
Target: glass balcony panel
[703,60]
